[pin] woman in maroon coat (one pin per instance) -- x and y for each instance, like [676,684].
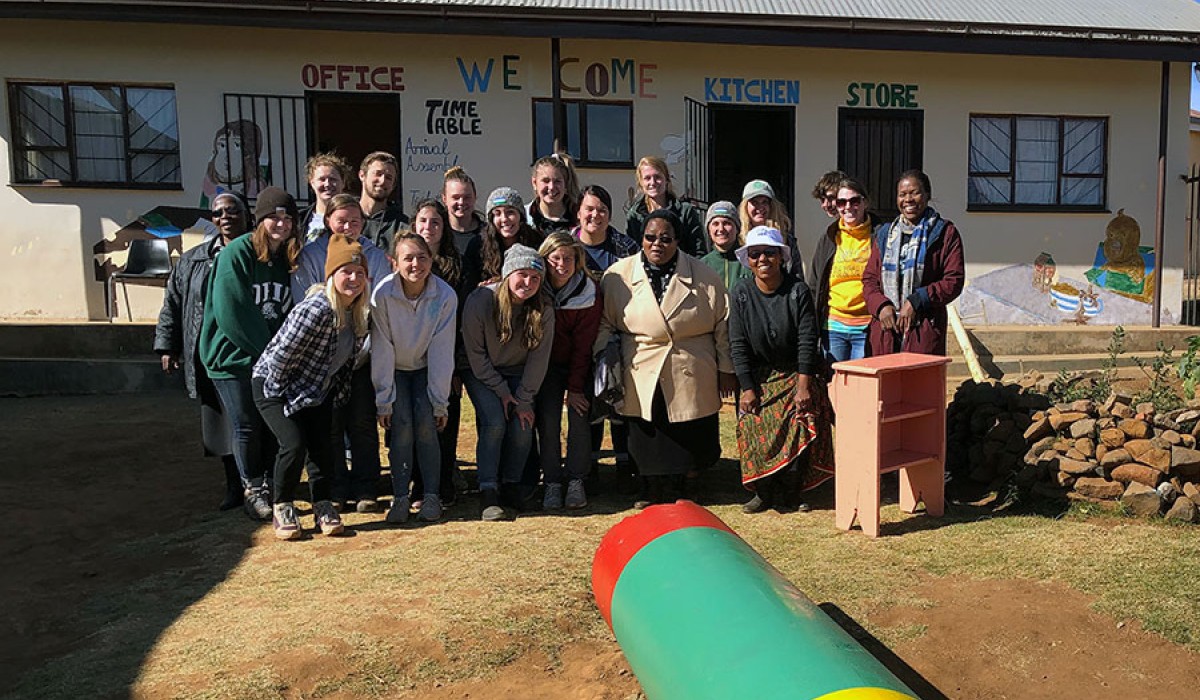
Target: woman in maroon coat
[915,270]
[577,308]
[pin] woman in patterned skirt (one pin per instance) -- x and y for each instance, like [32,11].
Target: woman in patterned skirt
[783,427]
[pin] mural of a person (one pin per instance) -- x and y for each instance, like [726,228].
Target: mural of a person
[234,165]
[1122,264]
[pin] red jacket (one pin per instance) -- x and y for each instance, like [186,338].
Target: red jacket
[941,283]
[576,323]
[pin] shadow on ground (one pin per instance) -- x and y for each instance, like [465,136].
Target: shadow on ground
[116,534]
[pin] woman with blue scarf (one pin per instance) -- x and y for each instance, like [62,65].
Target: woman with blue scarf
[915,270]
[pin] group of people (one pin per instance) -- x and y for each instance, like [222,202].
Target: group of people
[303,333]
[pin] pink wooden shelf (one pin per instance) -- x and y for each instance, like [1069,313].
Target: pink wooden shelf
[892,412]
[892,460]
[891,415]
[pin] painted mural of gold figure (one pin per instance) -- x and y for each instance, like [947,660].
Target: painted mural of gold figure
[1122,265]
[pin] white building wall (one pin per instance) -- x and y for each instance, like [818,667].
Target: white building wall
[52,229]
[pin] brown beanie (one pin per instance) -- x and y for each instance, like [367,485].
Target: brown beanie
[342,252]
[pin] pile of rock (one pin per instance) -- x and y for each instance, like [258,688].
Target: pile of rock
[985,426]
[1116,451]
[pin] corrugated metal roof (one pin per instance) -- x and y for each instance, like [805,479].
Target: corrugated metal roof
[1149,16]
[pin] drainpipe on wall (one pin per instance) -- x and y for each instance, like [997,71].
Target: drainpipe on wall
[1160,203]
[556,105]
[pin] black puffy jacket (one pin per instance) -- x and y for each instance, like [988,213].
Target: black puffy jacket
[178,330]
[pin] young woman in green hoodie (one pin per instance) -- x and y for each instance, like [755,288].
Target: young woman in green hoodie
[249,295]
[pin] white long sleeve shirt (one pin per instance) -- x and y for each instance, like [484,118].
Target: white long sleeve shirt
[411,334]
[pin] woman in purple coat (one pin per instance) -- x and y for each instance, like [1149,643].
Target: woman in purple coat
[915,270]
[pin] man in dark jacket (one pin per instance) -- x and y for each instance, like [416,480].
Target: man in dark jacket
[178,333]
[383,218]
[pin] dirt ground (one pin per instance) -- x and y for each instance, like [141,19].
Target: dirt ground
[106,493]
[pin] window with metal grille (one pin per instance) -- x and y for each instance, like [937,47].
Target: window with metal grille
[599,134]
[1028,163]
[94,135]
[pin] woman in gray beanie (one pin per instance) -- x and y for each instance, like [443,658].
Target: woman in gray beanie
[507,332]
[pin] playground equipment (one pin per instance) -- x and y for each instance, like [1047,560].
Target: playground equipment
[701,616]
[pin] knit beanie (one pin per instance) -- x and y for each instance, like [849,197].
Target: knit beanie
[271,201]
[504,197]
[521,257]
[724,209]
[342,252]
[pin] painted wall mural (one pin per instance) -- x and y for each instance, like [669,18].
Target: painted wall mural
[237,161]
[1117,289]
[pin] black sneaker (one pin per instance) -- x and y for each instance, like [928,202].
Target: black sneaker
[755,505]
[258,503]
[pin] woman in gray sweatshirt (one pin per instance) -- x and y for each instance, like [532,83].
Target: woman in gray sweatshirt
[508,332]
[412,360]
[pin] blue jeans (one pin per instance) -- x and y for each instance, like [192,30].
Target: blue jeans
[842,346]
[253,445]
[503,444]
[414,434]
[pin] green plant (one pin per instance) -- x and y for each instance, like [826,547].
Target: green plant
[1159,392]
[1189,367]
[1072,386]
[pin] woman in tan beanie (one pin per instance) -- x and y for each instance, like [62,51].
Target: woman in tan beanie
[303,375]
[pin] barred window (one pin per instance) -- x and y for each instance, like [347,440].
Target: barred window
[1037,163]
[101,135]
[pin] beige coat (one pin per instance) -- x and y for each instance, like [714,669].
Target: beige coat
[679,346]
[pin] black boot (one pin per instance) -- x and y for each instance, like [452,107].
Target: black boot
[234,493]
[764,496]
[673,487]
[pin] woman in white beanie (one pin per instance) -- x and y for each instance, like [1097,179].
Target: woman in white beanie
[783,419]
[508,332]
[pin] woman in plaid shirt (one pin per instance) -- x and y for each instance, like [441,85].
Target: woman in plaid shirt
[303,374]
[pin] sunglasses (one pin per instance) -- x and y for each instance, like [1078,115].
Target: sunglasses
[756,253]
[227,211]
[652,239]
[852,202]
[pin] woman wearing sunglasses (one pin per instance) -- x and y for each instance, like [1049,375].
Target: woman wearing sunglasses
[783,432]
[671,312]
[835,275]
[177,336]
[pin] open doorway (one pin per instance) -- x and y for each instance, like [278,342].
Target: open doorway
[353,126]
[749,143]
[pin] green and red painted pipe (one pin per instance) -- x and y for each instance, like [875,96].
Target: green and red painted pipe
[701,616]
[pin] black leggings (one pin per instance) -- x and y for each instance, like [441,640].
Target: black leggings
[307,429]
